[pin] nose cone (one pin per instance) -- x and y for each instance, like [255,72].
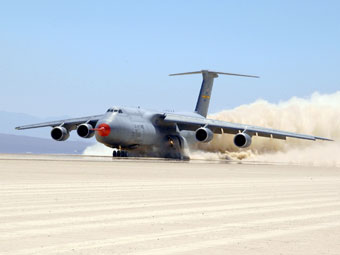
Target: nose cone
[103,129]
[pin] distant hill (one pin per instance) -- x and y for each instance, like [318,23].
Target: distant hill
[26,144]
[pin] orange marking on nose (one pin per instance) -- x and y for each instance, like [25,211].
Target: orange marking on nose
[103,129]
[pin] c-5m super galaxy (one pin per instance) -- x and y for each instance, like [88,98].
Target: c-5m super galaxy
[143,133]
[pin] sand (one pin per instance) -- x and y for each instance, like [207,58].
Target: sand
[92,205]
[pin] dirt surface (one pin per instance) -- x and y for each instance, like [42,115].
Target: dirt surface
[91,205]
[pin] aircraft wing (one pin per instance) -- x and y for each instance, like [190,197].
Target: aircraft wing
[192,123]
[70,124]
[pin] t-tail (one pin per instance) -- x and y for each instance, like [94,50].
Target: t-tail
[203,100]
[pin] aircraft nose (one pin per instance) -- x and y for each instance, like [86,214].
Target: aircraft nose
[103,129]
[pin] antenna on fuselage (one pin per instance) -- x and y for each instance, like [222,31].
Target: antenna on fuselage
[203,100]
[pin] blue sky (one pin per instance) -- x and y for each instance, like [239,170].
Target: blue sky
[78,58]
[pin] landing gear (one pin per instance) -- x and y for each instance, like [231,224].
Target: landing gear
[119,153]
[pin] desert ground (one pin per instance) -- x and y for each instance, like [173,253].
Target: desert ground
[98,205]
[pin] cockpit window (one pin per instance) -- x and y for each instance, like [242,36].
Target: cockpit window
[115,110]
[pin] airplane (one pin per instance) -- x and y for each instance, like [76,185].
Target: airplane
[135,132]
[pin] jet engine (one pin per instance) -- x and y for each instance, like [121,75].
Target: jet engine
[242,140]
[204,135]
[85,130]
[60,133]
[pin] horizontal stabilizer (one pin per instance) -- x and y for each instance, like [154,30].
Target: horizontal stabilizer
[203,100]
[213,72]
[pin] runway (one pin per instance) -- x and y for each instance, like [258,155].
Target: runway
[97,205]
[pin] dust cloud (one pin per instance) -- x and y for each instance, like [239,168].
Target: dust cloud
[98,149]
[317,115]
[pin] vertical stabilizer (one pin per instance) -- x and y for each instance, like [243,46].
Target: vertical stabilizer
[203,100]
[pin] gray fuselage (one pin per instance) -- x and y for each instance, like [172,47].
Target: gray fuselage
[142,132]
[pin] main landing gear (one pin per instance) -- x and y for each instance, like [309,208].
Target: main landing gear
[119,154]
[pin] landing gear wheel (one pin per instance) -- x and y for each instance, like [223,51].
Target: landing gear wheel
[119,154]
[124,154]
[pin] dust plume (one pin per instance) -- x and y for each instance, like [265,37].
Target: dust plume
[98,149]
[317,115]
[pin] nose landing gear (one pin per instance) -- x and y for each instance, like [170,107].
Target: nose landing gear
[119,154]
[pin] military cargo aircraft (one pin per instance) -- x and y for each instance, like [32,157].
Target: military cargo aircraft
[143,133]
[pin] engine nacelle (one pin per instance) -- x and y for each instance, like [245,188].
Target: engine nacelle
[60,133]
[242,140]
[204,135]
[85,130]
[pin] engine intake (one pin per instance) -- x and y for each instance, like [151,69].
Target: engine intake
[85,130]
[204,135]
[60,134]
[242,140]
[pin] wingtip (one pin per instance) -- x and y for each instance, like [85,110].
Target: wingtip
[324,139]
